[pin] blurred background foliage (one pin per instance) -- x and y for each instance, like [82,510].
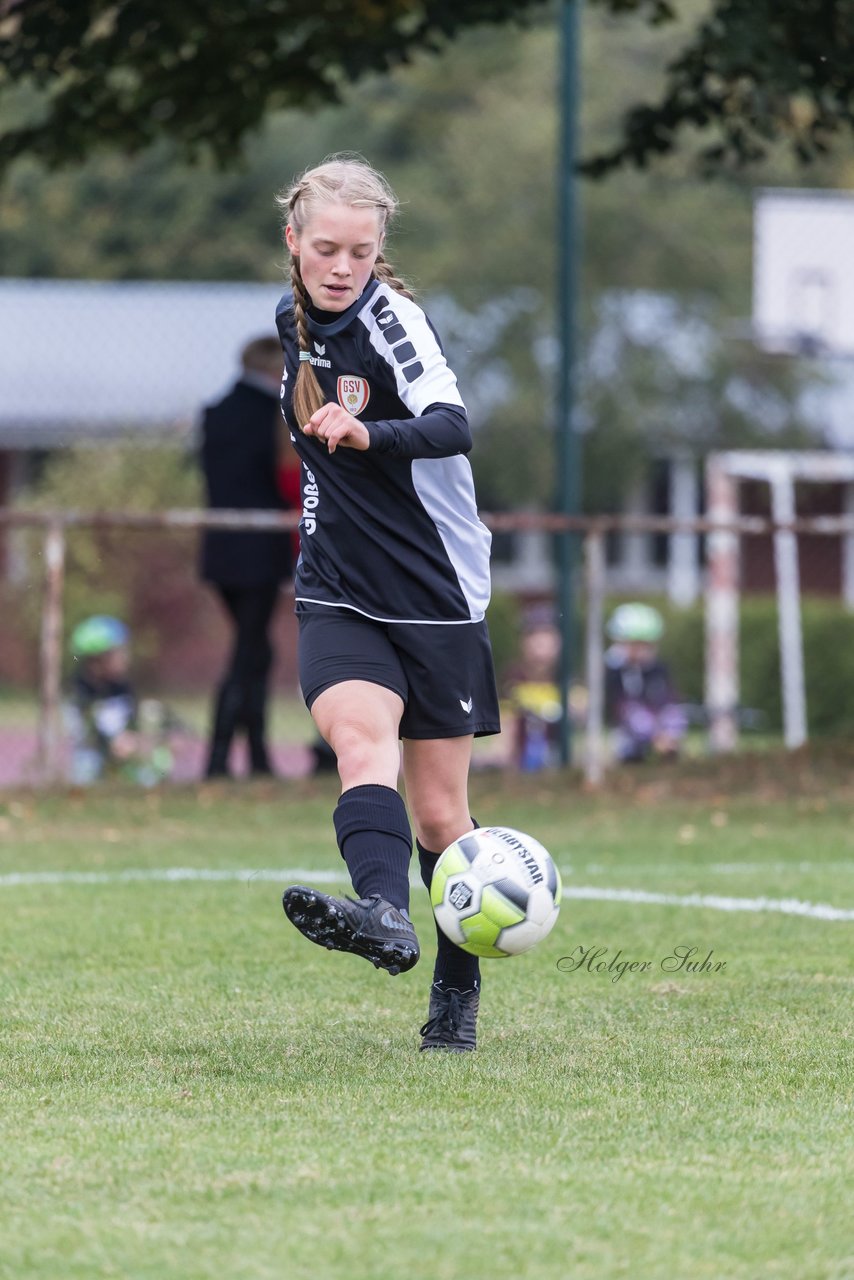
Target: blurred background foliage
[468,137]
[146,577]
[828,660]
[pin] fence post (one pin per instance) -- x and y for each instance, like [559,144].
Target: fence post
[722,607]
[50,652]
[789,612]
[594,562]
[848,550]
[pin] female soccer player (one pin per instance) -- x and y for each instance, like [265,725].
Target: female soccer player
[393,578]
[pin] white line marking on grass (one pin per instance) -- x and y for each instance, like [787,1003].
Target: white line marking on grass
[14,878]
[285,875]
[731,868]
[713,868]
[714,902]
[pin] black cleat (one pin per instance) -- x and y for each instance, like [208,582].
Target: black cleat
[452,1019]
[369,927]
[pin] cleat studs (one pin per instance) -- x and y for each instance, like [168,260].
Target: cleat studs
[336,927]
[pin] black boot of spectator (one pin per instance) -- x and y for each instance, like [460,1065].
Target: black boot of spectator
[226,715]
[255,720]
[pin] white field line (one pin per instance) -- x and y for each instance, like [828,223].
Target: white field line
[714,902]
[736,868]
[712,868]
[287,875]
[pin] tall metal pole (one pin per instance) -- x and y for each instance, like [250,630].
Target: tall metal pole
[568,452]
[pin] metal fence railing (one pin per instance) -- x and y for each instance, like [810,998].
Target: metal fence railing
[721,597]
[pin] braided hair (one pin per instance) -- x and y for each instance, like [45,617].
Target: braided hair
[347,179]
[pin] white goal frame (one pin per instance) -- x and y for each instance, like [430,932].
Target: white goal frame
[781,470]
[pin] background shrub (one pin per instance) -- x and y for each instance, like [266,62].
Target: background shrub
[828,629]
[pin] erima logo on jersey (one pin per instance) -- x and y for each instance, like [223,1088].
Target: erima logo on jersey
[353,393]
[320,348]
[317,360]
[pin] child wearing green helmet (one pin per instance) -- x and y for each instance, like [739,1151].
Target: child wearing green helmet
[642,705]
[102,713]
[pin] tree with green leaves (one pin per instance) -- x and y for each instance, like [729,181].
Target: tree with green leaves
[754,73]
[469,140]
[129,72]
[125,73]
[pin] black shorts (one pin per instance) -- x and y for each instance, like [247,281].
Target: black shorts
[443,673]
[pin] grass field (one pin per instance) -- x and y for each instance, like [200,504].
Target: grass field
[188,1089]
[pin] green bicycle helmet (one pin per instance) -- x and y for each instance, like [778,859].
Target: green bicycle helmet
[638,623]
[98,635]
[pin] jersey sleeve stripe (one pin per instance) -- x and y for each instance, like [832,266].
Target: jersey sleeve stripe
[402,336]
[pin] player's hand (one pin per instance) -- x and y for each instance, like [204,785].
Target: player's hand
[335,426]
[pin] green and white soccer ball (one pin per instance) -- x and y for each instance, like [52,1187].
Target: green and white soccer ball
[496,892]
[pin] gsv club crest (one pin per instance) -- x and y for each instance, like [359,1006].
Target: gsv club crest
[353,393]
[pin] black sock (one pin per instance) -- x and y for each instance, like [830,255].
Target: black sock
[375,842]
[454,967]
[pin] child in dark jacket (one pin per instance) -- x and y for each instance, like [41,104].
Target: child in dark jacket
[642,704]
[103,713]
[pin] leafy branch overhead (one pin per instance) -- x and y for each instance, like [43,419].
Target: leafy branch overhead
[202,72]
[79,74]
[755,73]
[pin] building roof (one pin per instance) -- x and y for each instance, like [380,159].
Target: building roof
[82,359]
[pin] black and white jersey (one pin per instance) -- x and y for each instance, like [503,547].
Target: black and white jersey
[391,531]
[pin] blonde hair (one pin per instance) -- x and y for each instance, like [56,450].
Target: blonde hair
[345,179]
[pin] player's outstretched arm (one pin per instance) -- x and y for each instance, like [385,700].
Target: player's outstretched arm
[441,431]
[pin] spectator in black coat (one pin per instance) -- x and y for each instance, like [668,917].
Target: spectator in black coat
[239,457]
